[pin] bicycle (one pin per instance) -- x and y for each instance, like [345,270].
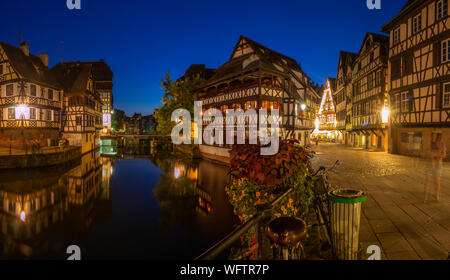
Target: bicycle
[321,201]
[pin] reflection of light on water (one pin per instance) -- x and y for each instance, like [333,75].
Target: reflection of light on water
[177,173]
[22,216]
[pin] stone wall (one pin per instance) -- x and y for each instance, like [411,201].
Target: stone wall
[21,138]
[39,160]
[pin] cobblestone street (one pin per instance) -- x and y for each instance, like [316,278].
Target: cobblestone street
[394,216]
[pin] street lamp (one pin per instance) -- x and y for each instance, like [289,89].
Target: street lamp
[22,112]
[385,112]
[303,106]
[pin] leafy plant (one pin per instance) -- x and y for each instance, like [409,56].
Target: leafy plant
[247,162]
[257,179]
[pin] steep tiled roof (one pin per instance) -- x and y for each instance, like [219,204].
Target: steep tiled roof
[267,59]
[409,6]
[74,77]
[347,59]
[29,67]
[194,69]
[332,84]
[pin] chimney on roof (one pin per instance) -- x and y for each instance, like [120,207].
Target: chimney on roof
[25,48]
[44,58]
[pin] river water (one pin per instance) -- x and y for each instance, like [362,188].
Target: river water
[115,206]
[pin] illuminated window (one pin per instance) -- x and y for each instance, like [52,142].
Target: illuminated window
[250,105]
[11,113]
[33,113]
[404,102]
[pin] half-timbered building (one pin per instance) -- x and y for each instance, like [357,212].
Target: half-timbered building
[82,116]
[103,84]
[369,95]
[419,75]
[257,77]
[343,94]
[30,99]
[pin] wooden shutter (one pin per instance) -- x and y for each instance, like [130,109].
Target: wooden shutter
[439,90]
[437,54]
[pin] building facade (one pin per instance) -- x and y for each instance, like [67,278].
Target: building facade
[82,116]
[103,84]
[256,77]
[419,76]
[369,94]
[343,95]
[30,99]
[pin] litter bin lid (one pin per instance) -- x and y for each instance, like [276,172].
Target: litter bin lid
[347,196]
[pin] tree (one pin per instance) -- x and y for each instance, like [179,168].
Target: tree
[177,95]
[118,120]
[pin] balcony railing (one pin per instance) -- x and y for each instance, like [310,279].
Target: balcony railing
[28,124]
[29,100]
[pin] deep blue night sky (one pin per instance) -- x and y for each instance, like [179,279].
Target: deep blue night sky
[141,40]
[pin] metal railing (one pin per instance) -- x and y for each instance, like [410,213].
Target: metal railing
[263,213]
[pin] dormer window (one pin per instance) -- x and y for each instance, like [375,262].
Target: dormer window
[417,23]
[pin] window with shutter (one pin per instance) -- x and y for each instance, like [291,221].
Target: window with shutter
[437,54]
[396,70]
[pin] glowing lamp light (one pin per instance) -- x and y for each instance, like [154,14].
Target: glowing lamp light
[317,123]
[385,112]
[22,112]
[107,119]
[177,173]
[22,216]
[303,107]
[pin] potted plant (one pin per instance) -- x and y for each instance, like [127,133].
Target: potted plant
[259,179]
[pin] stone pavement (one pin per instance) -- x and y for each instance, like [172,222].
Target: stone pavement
[394,216]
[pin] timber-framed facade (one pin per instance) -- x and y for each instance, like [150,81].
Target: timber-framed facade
[343,95]
[30,99]
[369,94]
[82,116]
[256,77]
[419,76]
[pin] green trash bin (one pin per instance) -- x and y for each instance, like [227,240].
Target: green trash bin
[345,206]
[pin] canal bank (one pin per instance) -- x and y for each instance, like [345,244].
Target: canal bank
[45,157]
[125,206]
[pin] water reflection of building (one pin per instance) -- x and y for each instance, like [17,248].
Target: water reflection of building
[28,208]
[191,193]
[32,207]
[86,189]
